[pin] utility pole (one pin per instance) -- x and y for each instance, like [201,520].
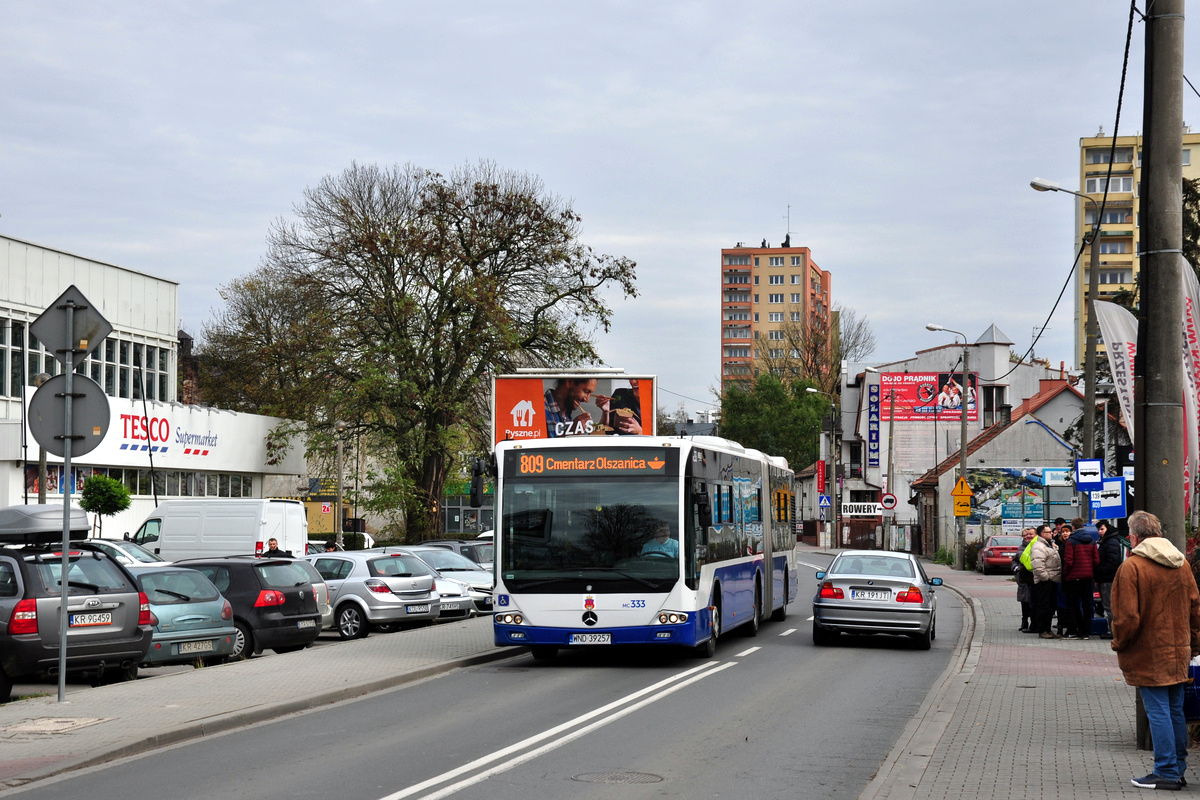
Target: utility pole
[960,557]
[1159,368]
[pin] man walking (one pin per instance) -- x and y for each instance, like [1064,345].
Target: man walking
[1047,572]
[1156,632]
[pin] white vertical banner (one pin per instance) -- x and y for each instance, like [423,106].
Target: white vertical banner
[1118,328]
[1191,381]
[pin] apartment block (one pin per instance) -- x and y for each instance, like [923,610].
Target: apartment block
[765,291]
[1119,241]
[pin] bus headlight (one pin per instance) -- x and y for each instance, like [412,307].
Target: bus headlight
[510,619]
[672,617]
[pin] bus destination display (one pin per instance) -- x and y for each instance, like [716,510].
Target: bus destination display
[660,462]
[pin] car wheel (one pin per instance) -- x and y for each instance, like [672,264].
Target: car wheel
[351,624]
[243,643]
[925,640]
[6,686]
[755,613]
[780,613]
[543,652]
[822,637]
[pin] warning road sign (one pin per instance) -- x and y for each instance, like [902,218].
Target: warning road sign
[962,489]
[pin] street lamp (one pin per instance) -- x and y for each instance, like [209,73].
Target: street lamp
[891,486]
[833,447]
[960,555]
[1092,330]
[340,428]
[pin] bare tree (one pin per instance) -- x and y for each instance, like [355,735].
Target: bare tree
[811,350]
[414,288]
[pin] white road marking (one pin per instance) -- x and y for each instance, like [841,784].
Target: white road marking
[745,653]
[663,687]
[810,619]
[788,632]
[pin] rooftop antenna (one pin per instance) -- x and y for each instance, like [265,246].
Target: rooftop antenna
[787,239]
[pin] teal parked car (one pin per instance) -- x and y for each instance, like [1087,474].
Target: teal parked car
[191,619]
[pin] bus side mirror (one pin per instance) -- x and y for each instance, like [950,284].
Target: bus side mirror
[705,511]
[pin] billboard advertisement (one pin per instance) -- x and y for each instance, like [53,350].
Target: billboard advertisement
[565,404]
[927,396]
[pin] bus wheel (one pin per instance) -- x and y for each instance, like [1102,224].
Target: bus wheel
[756,612]
[543,652]
[708,649]
[781,613]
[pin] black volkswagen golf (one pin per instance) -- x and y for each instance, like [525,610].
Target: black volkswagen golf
[274,605]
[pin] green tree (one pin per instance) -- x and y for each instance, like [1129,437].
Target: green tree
[393,297]
[103,496]
[774,418]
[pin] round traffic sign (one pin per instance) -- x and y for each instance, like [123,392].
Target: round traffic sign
[888,501]
[89,415]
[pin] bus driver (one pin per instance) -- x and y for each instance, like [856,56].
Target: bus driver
[662,542]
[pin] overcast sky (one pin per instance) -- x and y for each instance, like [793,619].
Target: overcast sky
[166,136]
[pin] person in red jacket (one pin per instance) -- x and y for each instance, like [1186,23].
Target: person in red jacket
[1156,633]
[1080,559]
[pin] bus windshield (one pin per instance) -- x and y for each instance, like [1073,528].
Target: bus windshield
[590,533]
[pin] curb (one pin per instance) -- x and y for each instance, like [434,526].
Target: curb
[251,716]
[901,772]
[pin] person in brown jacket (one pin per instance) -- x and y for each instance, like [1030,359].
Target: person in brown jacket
[1156,633]
[1047,572]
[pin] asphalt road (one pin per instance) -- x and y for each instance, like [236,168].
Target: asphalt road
[771,716]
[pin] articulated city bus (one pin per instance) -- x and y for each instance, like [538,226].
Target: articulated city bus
[606,540]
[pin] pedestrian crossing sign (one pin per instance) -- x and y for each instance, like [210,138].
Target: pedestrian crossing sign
[824,502]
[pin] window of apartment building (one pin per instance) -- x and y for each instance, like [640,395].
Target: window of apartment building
[737,333]
[737,352]
[795,297]
[775,335]
[737,261]
[797,279]
[795,353]
[797,261]
[756,261]
[1120,216]
[775,353]
[1117,184]
[1116,276]
[737,297]
[756,298]
[756,316]
[737,315]
[1187,158]
[775,280]
[774,298]
[775,316]
[795,316]
[775,261]
[1113,248]
[855,464]
[737,279]
[1100,155]
[993,399]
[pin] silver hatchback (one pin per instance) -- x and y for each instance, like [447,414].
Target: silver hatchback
[875,591]
[369,588]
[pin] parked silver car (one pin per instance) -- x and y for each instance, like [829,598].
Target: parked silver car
[875,591]
[460,568]
[369,587]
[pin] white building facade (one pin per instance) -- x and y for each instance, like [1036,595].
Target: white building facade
[157,447]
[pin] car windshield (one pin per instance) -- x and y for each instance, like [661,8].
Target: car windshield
[1006,541]
[480,552]
[85,575]
[281,576]
[397,566]
[881,566]
[446,560]
[176,586]
[137,553]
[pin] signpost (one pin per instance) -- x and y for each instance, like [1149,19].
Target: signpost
[69,327]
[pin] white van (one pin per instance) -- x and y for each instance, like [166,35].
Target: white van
[180,529]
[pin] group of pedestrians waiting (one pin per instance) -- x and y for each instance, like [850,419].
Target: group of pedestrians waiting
[1058,568]
[1152,607]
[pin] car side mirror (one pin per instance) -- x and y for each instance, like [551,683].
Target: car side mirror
[821,576]
[935,581]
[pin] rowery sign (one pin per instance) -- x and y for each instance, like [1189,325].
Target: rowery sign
[861,509]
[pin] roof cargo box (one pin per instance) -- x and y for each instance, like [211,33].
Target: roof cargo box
[40,524]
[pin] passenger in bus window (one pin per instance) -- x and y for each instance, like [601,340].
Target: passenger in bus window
[662,543]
